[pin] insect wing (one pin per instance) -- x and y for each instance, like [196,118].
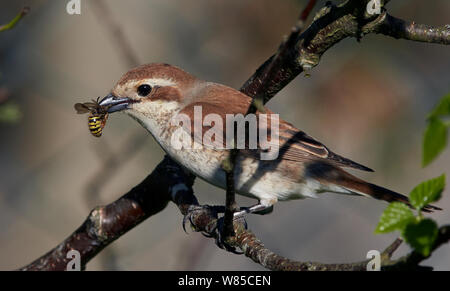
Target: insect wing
[81,108]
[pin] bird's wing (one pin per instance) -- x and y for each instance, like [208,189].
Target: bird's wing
[294,144]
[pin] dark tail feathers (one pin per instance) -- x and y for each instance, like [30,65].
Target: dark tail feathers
[342,178]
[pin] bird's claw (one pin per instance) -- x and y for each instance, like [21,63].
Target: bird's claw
[221,240]
[215,229]
[190,214]
[193,209]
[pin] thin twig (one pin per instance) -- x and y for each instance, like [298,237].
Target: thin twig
[257,104]
[331,25]
[16,19]
[114,160]
[115,30]
[401,29]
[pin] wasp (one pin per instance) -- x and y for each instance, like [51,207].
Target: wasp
[97,118]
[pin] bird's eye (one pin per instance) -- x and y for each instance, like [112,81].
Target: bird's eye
[144,90]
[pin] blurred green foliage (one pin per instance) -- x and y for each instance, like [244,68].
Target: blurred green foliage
[10,113]
[419,232]
[435,137]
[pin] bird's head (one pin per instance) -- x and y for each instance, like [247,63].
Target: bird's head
[153,91]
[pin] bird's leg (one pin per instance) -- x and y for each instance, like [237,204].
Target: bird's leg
[256,209]
[220,241]
[215,229]
[262,208]
[259,208]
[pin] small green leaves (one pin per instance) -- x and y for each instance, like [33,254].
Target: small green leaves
[421,235]
[418,232]
[395,217]
[434,140]
[427,192]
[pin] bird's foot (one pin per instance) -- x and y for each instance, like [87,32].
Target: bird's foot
[216,229]
[196,210]
[222,241]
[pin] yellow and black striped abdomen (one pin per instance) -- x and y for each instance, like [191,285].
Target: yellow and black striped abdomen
[96,124]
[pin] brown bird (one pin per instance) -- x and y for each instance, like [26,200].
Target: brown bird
[289,165]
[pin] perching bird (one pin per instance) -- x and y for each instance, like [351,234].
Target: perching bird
[157,94]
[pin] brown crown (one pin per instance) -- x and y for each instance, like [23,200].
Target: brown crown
[158,70]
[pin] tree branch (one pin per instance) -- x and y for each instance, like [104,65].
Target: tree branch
[398,28]
[169,181]
[331,25]
[413,259]
[113,160]
[107,223]
[257,104]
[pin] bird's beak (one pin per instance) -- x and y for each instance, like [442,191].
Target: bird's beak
[114,103]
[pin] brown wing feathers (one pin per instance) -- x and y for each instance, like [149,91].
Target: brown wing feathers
[300,144]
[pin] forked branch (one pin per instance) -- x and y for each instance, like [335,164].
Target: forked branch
[169,182]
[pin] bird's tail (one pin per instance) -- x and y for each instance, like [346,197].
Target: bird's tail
[361,187]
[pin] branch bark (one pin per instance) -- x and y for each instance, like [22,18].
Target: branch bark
[331,25]
[398,28]
[107,223]
[169,182]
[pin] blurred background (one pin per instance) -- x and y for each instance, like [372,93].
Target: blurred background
[367,101]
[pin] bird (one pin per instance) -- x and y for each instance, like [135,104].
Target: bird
[156,94]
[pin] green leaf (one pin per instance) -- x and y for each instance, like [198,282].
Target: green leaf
[443,108]
[427,192]
[421,235]
[434,140]
[395,217]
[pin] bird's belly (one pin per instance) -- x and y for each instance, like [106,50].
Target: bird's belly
[253,178]
[205,164]
[264,180]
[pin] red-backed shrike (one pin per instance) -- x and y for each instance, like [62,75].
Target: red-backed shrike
[157,94]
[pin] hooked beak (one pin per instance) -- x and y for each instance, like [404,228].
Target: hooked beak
[114,103]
